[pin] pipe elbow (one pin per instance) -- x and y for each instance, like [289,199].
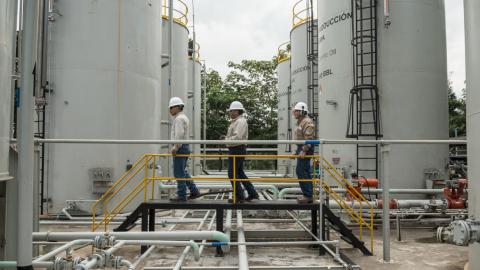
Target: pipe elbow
[282,193]
[221,237]
[196,250]
[275,192]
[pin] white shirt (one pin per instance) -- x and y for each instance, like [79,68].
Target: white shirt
[180,129]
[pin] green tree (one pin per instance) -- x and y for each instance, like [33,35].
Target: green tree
[456,111]
[254,84]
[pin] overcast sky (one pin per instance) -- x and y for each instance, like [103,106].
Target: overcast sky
[230,30]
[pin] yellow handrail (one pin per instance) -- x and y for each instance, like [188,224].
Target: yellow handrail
[197,52]
[182,19]
[296,19]
[284,54]
[143,185]
[353,213]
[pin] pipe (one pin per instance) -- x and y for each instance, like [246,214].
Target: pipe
[8,264]
[364,191]
[335,255]
[126,263]
[385,149]
[331,267]
[184,235]
[141,258]
[253,142]
[228,226]
[179,263]
[25,138]
[65,247]
[272,187]
[242,249]
[118,244]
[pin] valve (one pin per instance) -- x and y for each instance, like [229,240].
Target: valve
[115,262]
[460,232]
[103,241]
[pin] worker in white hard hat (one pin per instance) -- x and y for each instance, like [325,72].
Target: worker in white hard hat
[238,130]
[305,130]
[180,131]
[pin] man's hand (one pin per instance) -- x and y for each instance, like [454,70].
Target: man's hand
[222,137]
[174,152]
[293,155]
[302,154]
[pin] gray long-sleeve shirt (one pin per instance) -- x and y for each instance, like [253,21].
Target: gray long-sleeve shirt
[180,129]
[238,130]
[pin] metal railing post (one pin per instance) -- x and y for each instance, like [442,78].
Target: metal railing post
[234,181]
[386,202]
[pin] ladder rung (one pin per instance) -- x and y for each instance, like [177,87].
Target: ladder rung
[367,170]
[367,146]
[366,158]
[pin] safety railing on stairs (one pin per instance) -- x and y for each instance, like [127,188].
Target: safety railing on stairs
[143,186]
[356,215]
[182,14]
[301,16]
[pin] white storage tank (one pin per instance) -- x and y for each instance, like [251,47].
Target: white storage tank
[412,82]
[105,81]
[178,79]
[472,56]
[284,165]
[7,34]
[194,113]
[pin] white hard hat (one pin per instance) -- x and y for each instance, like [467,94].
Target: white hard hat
[236,105]
[175,101]
[301,106]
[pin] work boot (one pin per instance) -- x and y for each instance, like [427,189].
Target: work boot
[194,196]
[304,200]
[251,198]
[177,199]
[238,200]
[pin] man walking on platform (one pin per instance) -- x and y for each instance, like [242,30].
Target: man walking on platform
[180,131]
[238,130]
[305,130]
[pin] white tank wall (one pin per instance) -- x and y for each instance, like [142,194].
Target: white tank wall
[178,80]
[299,67]
[412,85]
[335,58]
[106,85]
[472,56]
[284,165]
[7,28]
[194,114]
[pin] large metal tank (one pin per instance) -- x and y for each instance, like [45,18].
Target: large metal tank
[472,56]
[105,80]
[284,116]
[194,114]
[7,34]
[300,67]
[178,80]
[412,82]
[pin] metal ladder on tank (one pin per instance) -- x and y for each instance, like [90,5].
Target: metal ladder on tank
[40,125]
[312,56]
[364,109]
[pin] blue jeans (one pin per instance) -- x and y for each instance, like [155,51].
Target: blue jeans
[240,174]
[303,172]
[179,165]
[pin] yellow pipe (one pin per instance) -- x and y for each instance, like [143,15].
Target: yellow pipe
[153,174]
[146,176]
[234,182]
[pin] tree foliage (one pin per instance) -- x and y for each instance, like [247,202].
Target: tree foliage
[456,111]
[254,84]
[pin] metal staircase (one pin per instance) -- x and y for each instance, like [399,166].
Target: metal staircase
[364,119]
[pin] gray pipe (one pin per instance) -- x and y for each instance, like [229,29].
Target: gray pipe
[256,142]
[25,138]
[65,247]
[228,226]
[143,257]
[385,149]
[184,235]
[365,191]
[242,249]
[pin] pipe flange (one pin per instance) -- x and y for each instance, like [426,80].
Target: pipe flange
[111,240]
[77,260]
[116,262]
[59,263]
